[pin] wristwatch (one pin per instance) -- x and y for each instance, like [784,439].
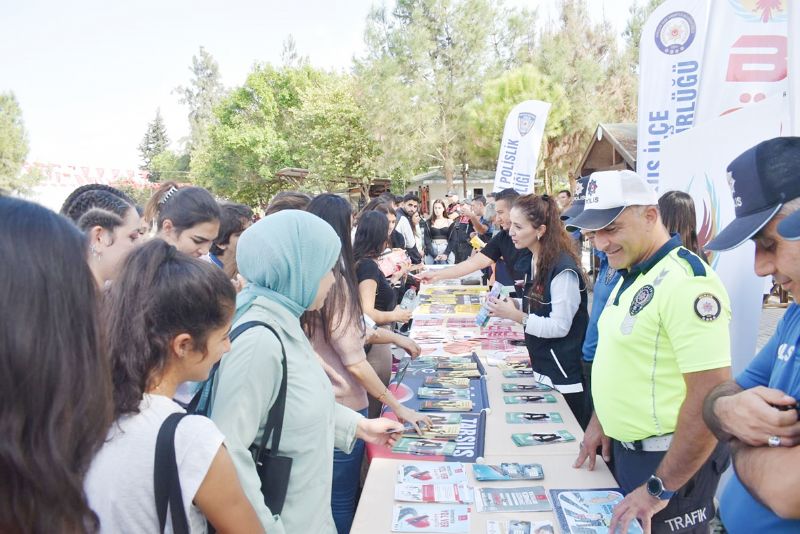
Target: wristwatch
[655,487]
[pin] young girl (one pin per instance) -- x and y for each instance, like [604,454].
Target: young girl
[440,228]
[338,336]
[186,217]
[168,321]
[110,220]
[554,311]
[55,383]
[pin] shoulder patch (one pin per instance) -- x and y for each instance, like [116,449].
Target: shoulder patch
[707,307]
[642,298]
[697,265]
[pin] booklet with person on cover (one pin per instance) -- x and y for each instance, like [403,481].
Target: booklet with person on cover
[421,472]
[541,438]
[581,511]
[528,399]
[531,417]
[443,518]
[529,499]
[439,493]
[507,471]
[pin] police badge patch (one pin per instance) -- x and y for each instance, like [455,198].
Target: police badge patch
[610,273]
[707,307]
[641,299]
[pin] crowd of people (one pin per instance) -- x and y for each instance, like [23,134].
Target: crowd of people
[181,367]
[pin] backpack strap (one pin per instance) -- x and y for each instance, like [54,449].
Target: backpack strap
[166,482]
[200,403]
[274,424]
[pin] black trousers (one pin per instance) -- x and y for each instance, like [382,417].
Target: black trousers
[691,509]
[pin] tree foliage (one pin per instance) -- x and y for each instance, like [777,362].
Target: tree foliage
[154,142]
[13,147]
[204,91]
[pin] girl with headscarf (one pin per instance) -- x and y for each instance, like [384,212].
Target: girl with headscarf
[288,259]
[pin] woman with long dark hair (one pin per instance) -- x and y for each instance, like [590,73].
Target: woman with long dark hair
[288,258]
[112,223]
[168,322]
[441,229]
[554,307]
[337,333]
[185,217]
[678,215]
[55,381]
[378,298]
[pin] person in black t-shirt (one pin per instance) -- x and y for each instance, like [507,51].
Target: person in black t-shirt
[378,298]
[499,248]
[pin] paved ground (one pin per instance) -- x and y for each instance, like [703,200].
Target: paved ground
[769,320]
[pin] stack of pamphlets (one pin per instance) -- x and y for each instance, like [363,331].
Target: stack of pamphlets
[530,499]
[435,496]
[533,417]
[529,399]
[507,471]
[541,438]
[582,511]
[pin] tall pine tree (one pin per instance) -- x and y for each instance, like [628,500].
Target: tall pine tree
[155,142]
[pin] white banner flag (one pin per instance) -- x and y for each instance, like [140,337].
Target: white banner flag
[670,60]
[745,57]
[794,66]
[519,151]
[696,162]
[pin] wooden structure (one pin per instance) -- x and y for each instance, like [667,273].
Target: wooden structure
[613,147]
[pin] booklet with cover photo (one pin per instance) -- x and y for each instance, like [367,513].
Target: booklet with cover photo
[421,472]
[531,417]
[507,471]
[443,518]
[541,438]
[580,511]
[530,499]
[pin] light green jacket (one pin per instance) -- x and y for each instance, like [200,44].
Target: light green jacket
[246,387]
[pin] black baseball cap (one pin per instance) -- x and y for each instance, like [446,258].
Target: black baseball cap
[578,199]
[762,178]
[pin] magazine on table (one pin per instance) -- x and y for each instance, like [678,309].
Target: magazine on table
[533,417]
[529,399]
[518,373]
[507,471]
[425,446]
[442,518]
[582,511]
[516,526]
[515,388]
[528,499]
[421,472]
[461,373]
[446,406]
[442,493]
[442,393]
[541,438]
[453,383]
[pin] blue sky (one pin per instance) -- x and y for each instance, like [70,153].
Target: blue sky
[89,74]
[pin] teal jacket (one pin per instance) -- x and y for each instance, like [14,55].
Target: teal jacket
[246,387]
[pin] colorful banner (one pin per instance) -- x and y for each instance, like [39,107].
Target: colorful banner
[745,57]
[519,151]
[696,162]
[670,60]
[794,66]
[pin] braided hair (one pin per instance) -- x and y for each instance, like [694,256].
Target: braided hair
[97,205]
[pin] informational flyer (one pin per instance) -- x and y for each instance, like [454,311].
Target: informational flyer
[440,518]
[507,471]
[587,511]
[529,499]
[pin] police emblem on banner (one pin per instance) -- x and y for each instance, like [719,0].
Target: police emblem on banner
[707,307]
[675,32]
[525,122]
[641,299]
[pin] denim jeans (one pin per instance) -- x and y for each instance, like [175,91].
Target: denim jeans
[346,478]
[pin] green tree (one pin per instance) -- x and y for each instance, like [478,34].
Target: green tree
[598,82]
[332,134]
[13,147]
[155,142]
[253,136]
[638,14]
[427,59]
[204,91]
[169,165]
[486,116]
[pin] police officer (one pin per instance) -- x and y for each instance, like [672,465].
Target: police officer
[757,413]
[663,345]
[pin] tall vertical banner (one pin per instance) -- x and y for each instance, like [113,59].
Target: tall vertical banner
[793,34]
[670,61]
[519,150]
[696,162]
[745,55]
